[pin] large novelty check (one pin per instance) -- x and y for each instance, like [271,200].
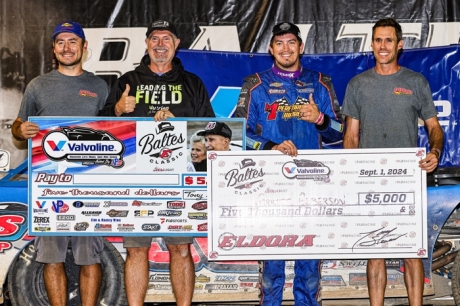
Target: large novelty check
[120,176]
[323,204]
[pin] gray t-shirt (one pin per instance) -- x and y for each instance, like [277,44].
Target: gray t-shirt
[388,107]
[56,94]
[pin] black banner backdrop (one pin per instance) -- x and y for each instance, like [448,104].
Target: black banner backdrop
[26,26]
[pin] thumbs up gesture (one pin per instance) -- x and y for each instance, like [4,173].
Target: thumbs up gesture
[310,112]
[126,103]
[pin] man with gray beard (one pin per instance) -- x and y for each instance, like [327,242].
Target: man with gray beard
[160,88]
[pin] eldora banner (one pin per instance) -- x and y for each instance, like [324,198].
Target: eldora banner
[107,176]
[321,204]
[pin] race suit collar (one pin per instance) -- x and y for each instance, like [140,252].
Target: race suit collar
[287,74]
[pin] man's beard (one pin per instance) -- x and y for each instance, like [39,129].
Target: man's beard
[287,65]
[160,58]
[76,62]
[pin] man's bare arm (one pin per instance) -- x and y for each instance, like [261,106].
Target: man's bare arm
[436,138]
[435,133]
[351,137]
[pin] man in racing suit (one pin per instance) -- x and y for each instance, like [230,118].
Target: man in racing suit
[287,108]
[160,88]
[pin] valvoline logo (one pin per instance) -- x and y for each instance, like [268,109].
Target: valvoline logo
[56,146]
[85,145]
[40,204]
[306,169]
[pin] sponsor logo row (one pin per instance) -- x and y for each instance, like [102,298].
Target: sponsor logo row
[120,227]
[124,213]
[59,206]
[222,282]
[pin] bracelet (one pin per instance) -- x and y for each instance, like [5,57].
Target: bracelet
[320,118]
[438,152]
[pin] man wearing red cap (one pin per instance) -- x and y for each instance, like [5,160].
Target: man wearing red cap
[160,88]
[58,94]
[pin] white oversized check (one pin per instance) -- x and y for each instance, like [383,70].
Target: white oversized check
[322,204]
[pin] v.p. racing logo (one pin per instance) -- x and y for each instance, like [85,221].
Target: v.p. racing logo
[85,145]
[306,169]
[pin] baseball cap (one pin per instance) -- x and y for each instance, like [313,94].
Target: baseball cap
[69,27]
[161,25]
[216,128]
[286,27]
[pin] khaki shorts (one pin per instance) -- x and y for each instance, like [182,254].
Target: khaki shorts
[146,241]
[53,249]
